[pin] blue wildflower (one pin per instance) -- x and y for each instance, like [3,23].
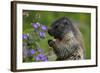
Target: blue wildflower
[42,34]
[29,52]
[41,55]
[37,58]
[44,27]
[25,36]
[44,58]
[35,25]
[32,51]
[40,50]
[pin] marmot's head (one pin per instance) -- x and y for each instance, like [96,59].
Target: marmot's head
[60,28]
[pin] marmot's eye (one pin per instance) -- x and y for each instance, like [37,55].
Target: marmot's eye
[56,26]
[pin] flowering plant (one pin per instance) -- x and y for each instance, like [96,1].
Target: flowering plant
[32,50]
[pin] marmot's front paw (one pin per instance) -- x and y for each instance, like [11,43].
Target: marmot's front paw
[51,43]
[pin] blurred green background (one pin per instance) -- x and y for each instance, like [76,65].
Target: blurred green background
[82,20]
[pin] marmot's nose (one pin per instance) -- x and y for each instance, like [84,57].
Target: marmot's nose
[50,31]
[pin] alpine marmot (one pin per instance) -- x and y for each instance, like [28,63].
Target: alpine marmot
[68,42]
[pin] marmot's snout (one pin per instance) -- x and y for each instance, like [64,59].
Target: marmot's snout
[50,32]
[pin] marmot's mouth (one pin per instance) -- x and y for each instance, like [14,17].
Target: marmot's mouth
[56,34]
[58,37]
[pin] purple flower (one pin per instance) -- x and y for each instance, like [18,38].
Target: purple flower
[24,36]
[37,58]
[42,34]
[29,52]
[44,27]
[44,58]
[35,25]
[40,50]
[32,51]
[41,55]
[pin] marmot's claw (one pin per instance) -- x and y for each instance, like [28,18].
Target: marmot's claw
[50,42]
